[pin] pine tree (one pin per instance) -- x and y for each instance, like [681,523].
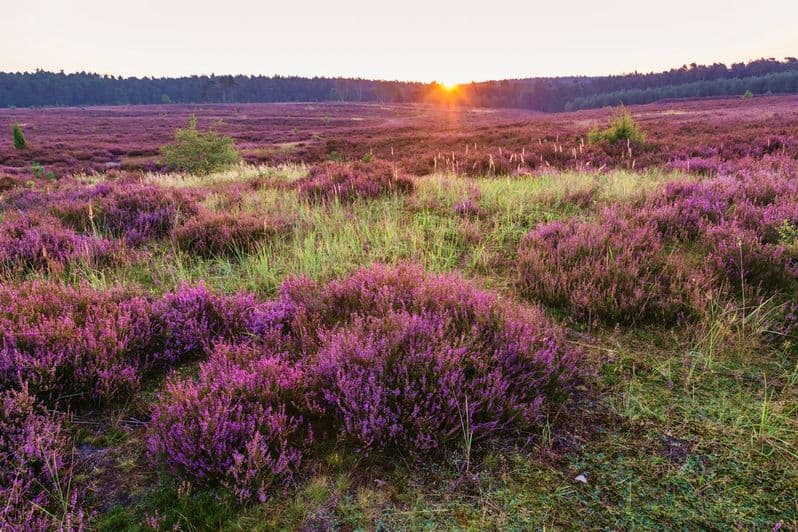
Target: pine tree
[19,138]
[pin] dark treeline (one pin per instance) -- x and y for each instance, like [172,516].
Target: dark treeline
[41,88]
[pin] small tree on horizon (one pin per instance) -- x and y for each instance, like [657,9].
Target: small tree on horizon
[19,137]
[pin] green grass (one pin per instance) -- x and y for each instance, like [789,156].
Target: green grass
[687,428]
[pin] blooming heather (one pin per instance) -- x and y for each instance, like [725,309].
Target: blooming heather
[69,344]
[211,234]
[613,270]
[240,422]
[348,181]
[35,468]
[30,242]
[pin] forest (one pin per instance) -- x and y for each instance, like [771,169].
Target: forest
[550,94]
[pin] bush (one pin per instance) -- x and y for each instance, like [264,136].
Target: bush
[19,137]
[190,320]
[612,270]
[126,210]
[741,257]
[384,333]
[348,181]
[239,423]
[35,468]
[72,344]
[212,234]
[35,242]
[199,153]
[622,128]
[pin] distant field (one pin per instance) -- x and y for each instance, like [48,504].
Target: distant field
[401,318]
[421,138]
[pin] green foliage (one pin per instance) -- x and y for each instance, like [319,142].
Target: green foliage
[165,98]
[622,127]
[747,95]
[198,152]
[19,137]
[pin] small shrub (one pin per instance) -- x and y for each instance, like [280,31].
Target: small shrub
[190,320]
[212,234]
[239,423]
[199,153]
[390,358]
[611,270]
[36,468]
[32,241]
[622,127]
[746,262]
[19,137]
[401,353]
[348,181]
[132,211]
[72,345]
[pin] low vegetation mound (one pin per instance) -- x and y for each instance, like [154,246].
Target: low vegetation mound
[391,359]
[38,242]
[217,234]
[346,182]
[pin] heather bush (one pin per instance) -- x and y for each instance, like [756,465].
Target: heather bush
[36,487]
[190,320]
[126,210]
[348,181]
[32,241]
[400,353]
[239,423]
[72,345]
[612,270]
[199,153]
[211,234]
[392,358]
[745,261]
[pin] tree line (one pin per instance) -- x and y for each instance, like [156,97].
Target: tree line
[43,88]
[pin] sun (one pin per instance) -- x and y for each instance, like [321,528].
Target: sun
[448,86]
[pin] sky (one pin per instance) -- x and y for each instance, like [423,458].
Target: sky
[418,40]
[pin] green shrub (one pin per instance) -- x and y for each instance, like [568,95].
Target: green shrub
[622,127]
[19,137]
[747,95]
[199,152]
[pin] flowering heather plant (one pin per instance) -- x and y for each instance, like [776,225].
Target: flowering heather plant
[126,210]
[400,353]
[612,270]
[36,487]
[72,345]
[239,423]
[746,262]
[190,320]
[394,358]
[212,234]
[32,241]
[348,181]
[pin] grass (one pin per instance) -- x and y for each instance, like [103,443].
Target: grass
[690,428]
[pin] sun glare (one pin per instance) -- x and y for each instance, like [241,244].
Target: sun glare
[448,86]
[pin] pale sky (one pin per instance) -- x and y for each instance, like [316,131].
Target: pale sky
[420,40]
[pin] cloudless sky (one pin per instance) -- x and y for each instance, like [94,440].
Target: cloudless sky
[422,40]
